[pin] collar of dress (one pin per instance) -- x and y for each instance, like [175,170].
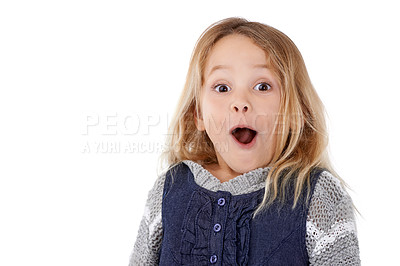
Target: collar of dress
[245,183]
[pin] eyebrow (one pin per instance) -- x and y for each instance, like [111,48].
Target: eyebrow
[228,67]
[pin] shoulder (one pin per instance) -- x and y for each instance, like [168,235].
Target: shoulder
[330,188]
[167,176]
[173,172]
[330,201]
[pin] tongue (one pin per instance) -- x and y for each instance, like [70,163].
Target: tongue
[244,135]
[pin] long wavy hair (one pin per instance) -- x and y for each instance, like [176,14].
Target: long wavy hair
[302,135]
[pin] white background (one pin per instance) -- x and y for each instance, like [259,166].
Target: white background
[65,65]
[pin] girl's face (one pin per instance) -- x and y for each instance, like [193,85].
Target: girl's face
[239,104]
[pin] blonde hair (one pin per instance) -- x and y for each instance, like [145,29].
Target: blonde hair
[302,135]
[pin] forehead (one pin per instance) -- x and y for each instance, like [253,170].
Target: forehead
[234,51]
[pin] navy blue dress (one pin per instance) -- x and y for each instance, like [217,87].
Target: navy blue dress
[202,227]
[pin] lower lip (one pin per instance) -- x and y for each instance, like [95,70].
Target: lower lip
[248,145]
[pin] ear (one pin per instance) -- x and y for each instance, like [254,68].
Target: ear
[198,121]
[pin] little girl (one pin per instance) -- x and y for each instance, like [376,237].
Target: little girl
[249,181]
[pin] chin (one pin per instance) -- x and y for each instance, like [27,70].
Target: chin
[244,167]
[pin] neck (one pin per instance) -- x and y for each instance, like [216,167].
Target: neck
[221,171]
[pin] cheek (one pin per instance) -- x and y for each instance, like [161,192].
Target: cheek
[266,121]
[265,124]
[214,125]
[214,116]
[267,115]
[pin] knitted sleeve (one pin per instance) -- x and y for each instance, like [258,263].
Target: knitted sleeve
[331,231]
[148,242]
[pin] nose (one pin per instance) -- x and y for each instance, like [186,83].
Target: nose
[240,107]
[241,100]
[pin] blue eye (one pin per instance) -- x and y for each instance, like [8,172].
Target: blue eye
[222,88]
[262,86]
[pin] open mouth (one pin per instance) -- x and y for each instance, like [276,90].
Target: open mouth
[244,135]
